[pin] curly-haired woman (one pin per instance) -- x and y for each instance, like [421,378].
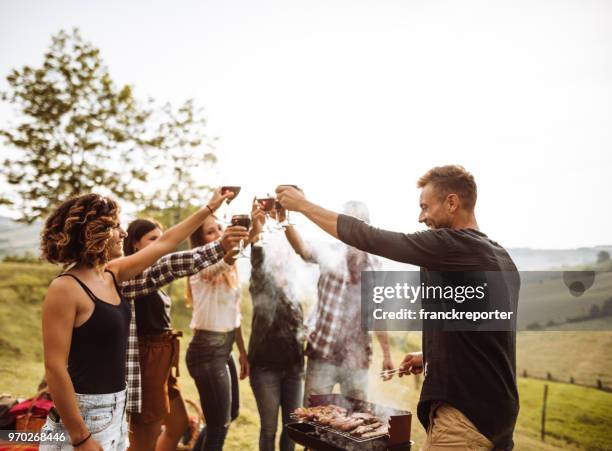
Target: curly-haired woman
[86,320]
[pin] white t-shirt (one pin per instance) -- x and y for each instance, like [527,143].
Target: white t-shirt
[216,306]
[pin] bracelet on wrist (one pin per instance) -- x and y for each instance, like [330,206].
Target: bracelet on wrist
[212,212]
[76,445]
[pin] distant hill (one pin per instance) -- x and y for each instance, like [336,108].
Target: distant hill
[17,239]
[540,259]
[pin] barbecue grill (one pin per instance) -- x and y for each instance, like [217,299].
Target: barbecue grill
[325,438]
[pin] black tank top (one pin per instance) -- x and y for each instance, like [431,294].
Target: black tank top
[96,362]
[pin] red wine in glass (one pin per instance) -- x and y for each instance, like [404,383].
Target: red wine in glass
[233,189]
[278,206]
[244,221]
[266,203]
[241,220]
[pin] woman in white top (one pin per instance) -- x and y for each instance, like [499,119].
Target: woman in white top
[215,293]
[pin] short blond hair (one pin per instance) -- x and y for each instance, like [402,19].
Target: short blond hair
[452,179]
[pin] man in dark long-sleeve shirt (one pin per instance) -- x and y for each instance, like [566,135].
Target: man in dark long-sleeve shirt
[469,398]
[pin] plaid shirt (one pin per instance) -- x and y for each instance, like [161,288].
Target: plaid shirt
[336,322]
[165,270]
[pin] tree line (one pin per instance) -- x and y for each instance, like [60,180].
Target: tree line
[76,130]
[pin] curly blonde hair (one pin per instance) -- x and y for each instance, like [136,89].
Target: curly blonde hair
[79,231]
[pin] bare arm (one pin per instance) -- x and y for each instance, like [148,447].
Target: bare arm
[240,340]
[383,340]
[126,268]
[243,359]
[59,312]
[296,242]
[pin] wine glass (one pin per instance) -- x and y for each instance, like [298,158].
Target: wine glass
[267,205]
[287,222]
[226,214]
[244,221]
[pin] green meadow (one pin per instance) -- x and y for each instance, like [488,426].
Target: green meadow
[577,417]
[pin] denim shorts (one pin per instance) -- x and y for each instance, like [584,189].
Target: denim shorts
[105,418]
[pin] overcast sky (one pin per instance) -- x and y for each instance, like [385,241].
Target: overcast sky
[356,99]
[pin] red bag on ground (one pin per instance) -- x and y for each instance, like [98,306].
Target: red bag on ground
[38,407]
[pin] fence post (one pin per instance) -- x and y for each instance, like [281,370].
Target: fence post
[543,429]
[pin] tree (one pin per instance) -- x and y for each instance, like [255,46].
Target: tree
[78,131]
[603,256]
[186,156]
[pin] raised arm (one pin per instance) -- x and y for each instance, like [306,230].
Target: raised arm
[295,239]
[59,312]
[293,199]
[126,268]
[429,249]
[420,249]
[183,264]
[171,267]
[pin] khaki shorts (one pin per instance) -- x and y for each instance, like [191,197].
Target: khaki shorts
[449,429]
[158,355]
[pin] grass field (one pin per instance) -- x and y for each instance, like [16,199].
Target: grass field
[548,299]
[578,418]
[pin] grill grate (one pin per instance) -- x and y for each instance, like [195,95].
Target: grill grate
[320,437]
[319,426]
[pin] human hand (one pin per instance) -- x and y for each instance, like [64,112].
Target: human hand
[232,236]
[412,364]
[217,198]
[387,366]
[244,365]
[290,197]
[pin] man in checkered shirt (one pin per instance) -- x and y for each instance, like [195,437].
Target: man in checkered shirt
[165,270]
[338,350]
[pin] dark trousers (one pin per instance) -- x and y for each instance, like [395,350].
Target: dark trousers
[274,389]
[210,364]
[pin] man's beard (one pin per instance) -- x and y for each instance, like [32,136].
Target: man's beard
[442,224]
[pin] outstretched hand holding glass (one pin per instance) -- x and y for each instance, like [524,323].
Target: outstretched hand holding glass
[286,191]
[242,221]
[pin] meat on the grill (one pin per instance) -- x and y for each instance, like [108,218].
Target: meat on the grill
[365,416]
[350,424]
[327,420]
[382,430]
[366,428]
[363,424]
[317,412]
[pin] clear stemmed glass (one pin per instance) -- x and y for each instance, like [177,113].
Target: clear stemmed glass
[267,205]
[287,222]
[225,220]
